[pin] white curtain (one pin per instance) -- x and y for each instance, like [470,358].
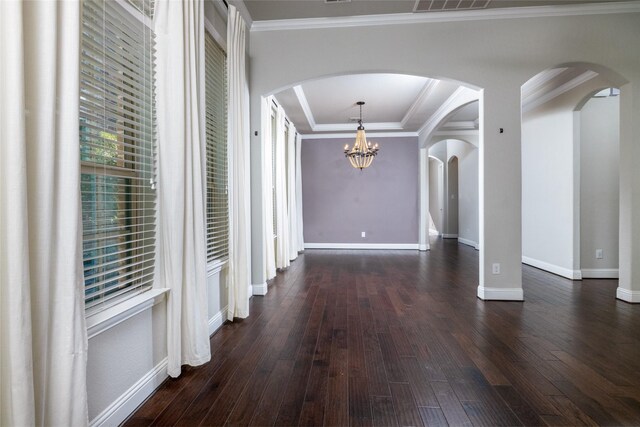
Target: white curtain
[299,222]
[239,275]
[292,193]
[181,248]
[282,217]
[43,338]
[269,256]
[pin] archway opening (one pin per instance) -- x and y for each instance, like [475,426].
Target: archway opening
[562,147]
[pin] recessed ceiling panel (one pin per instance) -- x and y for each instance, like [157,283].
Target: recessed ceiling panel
[387,96]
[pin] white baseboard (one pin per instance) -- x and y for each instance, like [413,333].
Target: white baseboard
[468,243]
[124,406]
[552,268]
[217,320]
[600,273]
[627,295]
[449,236]
[500,294]
[413,246]
[425,247]
[260,289]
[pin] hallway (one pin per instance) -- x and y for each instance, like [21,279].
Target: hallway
[399,338]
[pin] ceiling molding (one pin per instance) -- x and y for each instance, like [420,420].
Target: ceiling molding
[302,99]
[540,80]
[329,127]
[424,93]
[353,135]
[440,112]
[459,125]
[453,16]
[452,132]
[571,84]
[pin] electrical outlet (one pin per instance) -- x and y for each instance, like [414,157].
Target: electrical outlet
[495,268]
[364,234]
[599,254]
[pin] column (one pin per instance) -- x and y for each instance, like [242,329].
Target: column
[423,238]
[499,194]
[629,256]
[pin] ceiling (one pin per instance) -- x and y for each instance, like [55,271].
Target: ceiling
[395,103]
[268,10]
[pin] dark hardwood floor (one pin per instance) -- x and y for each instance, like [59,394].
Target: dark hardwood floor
[392,338]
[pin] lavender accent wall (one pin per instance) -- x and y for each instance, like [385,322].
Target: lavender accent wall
[339,202]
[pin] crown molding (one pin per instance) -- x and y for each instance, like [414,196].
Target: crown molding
[424,93]
[459,125]
[352,135]
[329,127]
[306,109]
[539,80]
[571,84]
[454,132]
[450,16]
[442,110]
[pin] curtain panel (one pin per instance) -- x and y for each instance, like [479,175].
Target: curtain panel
[181,231]
[282,216]
[43,337]
[299,222]
[239,275]
[292,205]
[269,256]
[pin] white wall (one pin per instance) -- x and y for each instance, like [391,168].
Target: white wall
[599,188]
[452,197]
[436,208]
[467,156]
[548,189]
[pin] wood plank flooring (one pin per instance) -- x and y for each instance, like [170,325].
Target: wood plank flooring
[398,338]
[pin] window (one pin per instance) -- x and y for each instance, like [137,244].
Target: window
[117,150]
[217,172]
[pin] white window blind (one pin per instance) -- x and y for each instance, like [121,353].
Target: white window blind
[217,170]
[117,122]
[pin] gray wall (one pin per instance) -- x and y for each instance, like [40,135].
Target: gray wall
[339,202]
[599,183]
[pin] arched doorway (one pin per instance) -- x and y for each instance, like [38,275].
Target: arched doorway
[564,197]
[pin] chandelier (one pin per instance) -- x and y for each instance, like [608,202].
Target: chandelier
[362,153]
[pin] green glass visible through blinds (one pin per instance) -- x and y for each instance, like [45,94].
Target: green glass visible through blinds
[117,151]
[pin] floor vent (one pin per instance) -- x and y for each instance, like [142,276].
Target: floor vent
[336,1]
[448,5]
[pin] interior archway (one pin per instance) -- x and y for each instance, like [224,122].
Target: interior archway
[552,169]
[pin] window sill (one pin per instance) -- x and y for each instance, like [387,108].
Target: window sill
[107,319]
[215,266]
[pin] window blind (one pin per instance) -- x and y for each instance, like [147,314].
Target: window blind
[117,153]
[217,170]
